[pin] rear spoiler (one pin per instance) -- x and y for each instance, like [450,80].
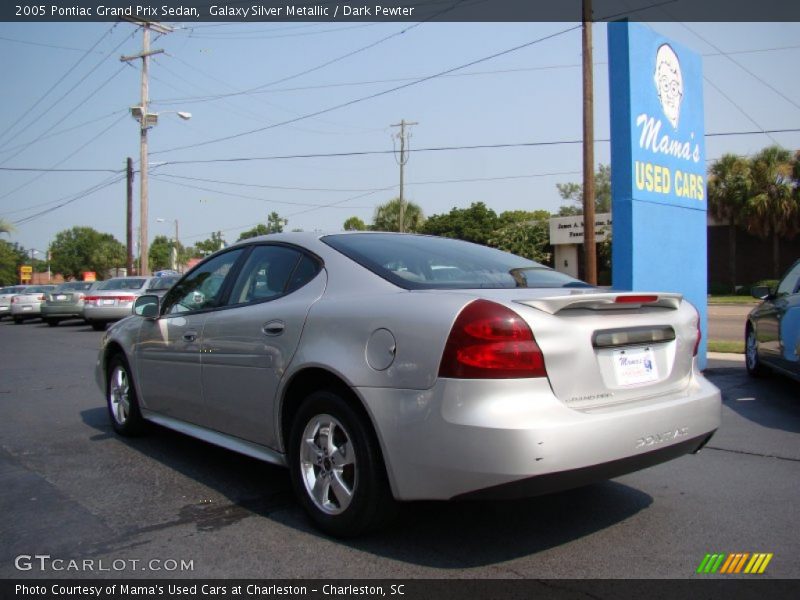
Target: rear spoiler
[605,301]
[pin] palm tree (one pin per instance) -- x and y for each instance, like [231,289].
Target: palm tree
[6,227]
[729,186]
[773,209]
[387,216]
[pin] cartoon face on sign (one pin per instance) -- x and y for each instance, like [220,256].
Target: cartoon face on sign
[669,83]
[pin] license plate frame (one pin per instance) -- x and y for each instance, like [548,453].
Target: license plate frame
[635,366]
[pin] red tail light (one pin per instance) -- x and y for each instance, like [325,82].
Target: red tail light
[490,341]
[96,299]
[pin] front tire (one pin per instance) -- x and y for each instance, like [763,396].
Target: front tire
[121,400]
[336,467]
[752,362]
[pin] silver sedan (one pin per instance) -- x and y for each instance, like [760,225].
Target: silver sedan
[382,367]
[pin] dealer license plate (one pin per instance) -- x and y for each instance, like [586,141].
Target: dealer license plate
[634,366]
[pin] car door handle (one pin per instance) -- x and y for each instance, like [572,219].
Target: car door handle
[190,336]
[273,328]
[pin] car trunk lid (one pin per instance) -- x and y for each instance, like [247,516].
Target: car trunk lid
[607,348]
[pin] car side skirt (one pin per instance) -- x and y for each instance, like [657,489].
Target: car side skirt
[565,480]
[218,439]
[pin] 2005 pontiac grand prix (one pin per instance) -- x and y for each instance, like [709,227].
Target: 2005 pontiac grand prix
[385,367]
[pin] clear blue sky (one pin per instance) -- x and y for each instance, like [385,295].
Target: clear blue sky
[529,95]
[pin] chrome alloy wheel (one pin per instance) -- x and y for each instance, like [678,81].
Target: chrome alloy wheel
[119,390]
[328,464]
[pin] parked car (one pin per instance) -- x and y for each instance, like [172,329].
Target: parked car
[112,300]
[65,302]
[27,303]
[160,284]
[772,333]
[6,294]
[349,359]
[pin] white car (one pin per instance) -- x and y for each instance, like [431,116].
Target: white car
[27,304]
[6,294]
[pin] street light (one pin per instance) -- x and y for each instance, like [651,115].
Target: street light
[174,257]
[146,121]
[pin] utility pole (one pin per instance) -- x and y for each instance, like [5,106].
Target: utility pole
[402,160]
[146,120]
[129,219]
[589,246]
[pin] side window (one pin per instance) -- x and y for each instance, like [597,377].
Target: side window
[202,288]
[791,282]
[271,271]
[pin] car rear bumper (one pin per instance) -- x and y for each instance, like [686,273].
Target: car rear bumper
[25,310]
[470,438]
[62,312]
[106,313]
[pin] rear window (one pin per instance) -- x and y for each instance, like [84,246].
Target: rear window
[424,262]
[74,286]
[122,284]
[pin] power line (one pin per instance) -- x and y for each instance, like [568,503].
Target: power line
[55,85]
[372,96]
[743,68]
[40,44]
[43,135]
[69,156]
[67,130]
[246,197]
[70,199]
[197,99]
[379,152]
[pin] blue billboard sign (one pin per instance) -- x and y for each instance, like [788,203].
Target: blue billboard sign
[658,168]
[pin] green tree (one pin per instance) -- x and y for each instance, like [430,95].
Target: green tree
[256,231]
[6,227]
[573,192]
[530,238]
[474,224]
[354,224]
[80,249]
[161,250]
[387,216]
[275,224]
[773,209]
[12,257]
[729,185]
[209,245]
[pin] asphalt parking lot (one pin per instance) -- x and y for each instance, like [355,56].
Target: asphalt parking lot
[71,489]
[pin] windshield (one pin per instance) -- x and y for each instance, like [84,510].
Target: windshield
[126,283]
[424,262]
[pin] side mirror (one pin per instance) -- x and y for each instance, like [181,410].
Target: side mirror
[146,306]
[761,292]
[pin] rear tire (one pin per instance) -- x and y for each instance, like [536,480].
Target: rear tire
[98,325]
[52,322]
[751,360]
[121,400]
[336,467]
[18,321]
